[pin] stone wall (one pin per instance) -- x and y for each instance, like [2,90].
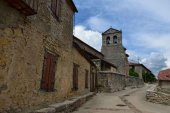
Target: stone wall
[23,41]
[112,82]
[165,84]
[156,96]
[164,90]
[134,81]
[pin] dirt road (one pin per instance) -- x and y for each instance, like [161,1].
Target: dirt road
[126,101]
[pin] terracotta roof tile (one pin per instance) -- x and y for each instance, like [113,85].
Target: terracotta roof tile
[164,75]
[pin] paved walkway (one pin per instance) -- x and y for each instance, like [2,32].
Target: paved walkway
[106,103]
[126,101]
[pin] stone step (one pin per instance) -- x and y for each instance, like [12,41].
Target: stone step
[66,106]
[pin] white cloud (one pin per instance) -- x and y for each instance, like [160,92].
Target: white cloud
[98,23]
[133,56]
[93,38]
[157,9]
[150,40]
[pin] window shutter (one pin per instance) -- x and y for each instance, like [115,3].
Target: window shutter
[76,83]
[75,77]
[52,73]
[48,77]
[86,78]
[59,9]
[46,70]
[53,6]
[56,8]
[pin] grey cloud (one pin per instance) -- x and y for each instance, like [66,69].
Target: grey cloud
[155,62]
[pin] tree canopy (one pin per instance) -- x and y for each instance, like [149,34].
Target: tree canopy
[133,73]
[149,77]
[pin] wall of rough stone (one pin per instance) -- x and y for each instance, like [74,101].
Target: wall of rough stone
[164,84]
[112,82]
[164,90]
[23,41]
[156,96]
[134,81]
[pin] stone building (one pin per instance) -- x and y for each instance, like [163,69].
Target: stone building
[95,56]
[164,79]
[139,68]
[39,64]
[114,51]
[104,66]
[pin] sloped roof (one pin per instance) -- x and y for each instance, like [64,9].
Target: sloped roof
[164,75]
[89,52]
[93,52]
[73,5]
[78,48]
[104,60]
[111,30]
[137,64]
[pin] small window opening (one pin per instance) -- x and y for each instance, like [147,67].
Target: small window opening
[108,40]
[115,40]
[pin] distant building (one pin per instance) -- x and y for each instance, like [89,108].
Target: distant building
[139,68]
[114,51]
[164,79]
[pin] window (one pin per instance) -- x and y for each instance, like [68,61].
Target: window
[86,78]
[56,8]
[75,77]
[108,40]
[115,40]
[133,67]
[49,68]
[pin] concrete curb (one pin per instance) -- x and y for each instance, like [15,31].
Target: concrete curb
[66,106]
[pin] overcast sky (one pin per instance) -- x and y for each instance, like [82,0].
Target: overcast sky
[145,25]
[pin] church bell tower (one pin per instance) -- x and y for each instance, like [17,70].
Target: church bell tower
[114,51]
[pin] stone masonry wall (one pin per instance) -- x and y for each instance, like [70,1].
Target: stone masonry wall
[112,82]
[156,96]
[133,81]
[23,41]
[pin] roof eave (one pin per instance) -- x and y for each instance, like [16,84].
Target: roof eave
[74,6]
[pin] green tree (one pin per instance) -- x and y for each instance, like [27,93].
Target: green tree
[149,77]
[133,73]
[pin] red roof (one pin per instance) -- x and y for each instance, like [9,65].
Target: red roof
[164,75]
